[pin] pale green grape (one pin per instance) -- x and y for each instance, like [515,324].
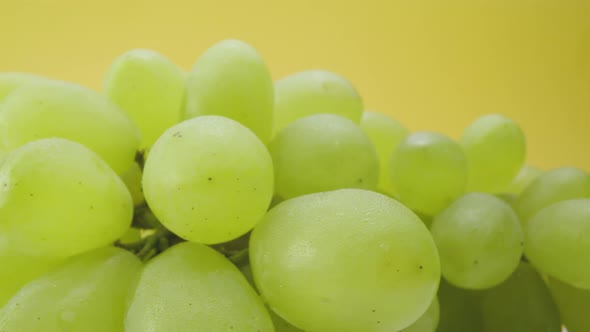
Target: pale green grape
[522,303]
[313,92]
[495,148]
[323,152]
[232,80]
[459,309]
[60,199]
[558,241]
[428,321]
[523,179]
[208,179]
[148,87]
[428,171]
[88,293]
[132,180]
[191,287]
[386,134]
[556,185]
[11,81]
[17,269]
[573,304]
[479,239]
[345,260]
[59,109]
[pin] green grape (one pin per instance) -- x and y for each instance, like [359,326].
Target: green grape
[428,321]
[132,180]
[208,179]
[191,287]
[480,241]
[59,109]
[522,303]
[573,304]
[313,92]
[323,152]
[523,179]
[345,260]
[557,185]
[150,88]
[60,199]
[428,171]
[459,309]
[495,148]
[17,269]
[231,79]
[558,241]
[88,293]
[386,134]
[11,81]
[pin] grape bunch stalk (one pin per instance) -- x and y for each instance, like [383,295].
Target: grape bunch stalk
[220,200]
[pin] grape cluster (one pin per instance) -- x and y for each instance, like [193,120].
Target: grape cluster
[220,200]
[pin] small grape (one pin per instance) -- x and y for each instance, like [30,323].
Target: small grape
[323,152]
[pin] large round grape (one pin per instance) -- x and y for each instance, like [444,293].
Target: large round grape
[323,152]
[58,109]
[479,239]
[345,260]
[60,199]
[386,134]
[573,304]
[312,92]
[556,185]
[558,241]
[495,148]
[148,87]
[191,287]
[522,303]
[208,179]
[428,171]
[88,293]
[231,79]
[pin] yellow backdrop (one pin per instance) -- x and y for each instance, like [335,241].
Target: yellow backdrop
[432,64]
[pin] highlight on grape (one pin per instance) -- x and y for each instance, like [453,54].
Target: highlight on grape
[220,201]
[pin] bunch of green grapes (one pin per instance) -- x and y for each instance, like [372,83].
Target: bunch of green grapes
[222,201]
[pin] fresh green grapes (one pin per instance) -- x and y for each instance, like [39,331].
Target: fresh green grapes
[386,134]
[428,171]
[551,187]
[459,309]
[428,321]
[558,241]
[479,239]
[17,269]
[232,80]
[208,179]
[522,303]
[523,179]
[495,148]
[59,109]
[88,293]
[313,92]
[148,87]
[323,152]
[573,303]
[191,287]
[11,81]
[345,260]
[60,199]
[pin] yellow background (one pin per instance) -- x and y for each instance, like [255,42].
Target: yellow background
[432,64]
